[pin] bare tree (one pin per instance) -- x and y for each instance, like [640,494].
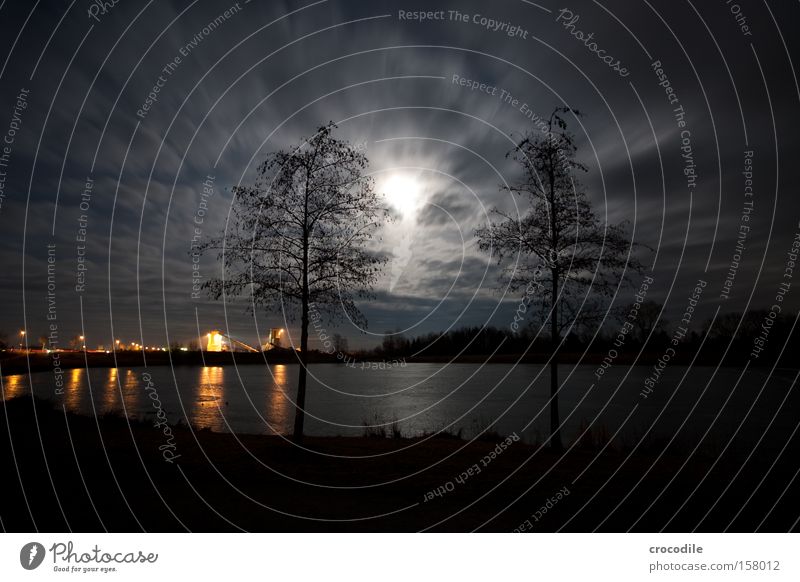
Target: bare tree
[340,343]
[648,321]
[298,236]
[558,249]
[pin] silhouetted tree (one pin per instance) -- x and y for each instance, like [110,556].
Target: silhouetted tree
[298,236]
[733,335]
[648,321]
[733,326]
[340,343]
[558,247]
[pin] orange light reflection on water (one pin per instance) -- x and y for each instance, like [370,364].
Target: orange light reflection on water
[209,397]
[278,404]
[110,395]
[130,391]
[13,386]
[76,391]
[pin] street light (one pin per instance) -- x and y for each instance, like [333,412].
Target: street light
[21,338]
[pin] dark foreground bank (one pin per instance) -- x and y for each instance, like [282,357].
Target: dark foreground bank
[65,472]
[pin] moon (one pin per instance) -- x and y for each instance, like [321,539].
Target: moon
[403,193]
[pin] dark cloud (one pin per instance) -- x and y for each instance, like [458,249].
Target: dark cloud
[448,206]
[260,80]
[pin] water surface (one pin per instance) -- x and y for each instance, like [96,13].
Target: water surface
[421,398]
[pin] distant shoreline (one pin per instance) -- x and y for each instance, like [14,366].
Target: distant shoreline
[20,363]
[13,363]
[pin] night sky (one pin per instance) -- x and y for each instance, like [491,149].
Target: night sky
[111,180]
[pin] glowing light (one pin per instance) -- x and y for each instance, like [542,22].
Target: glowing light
[216,342]
[403,193]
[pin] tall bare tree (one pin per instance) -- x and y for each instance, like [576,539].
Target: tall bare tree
[557,248]
[299,235]
[648,321]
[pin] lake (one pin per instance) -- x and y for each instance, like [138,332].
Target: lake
[420,398]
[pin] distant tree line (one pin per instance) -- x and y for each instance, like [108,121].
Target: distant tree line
[729,340]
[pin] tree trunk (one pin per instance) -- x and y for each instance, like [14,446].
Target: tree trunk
[300,401]
[555,432]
